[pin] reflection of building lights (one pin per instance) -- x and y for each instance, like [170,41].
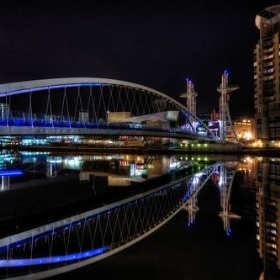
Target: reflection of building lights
[54,160]
[258,144]
[275,144]
[248,159]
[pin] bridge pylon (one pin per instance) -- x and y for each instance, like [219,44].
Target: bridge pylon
[192,208]
[190,96]
[226,125]
[226,176]
[196,183]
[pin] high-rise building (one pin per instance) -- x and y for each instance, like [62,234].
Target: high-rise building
[267,75]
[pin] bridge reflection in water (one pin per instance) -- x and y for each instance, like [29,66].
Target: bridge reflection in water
[90,236]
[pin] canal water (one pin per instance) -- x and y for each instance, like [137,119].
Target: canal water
[241,244]
[200,251]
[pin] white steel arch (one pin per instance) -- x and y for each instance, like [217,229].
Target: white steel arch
[16,88]
[45,84]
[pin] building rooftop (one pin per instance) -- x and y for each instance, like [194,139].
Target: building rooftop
[269,15]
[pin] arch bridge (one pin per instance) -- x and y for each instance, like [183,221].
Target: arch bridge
[94,106]
[90,236]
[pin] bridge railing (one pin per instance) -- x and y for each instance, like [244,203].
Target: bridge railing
[43,123]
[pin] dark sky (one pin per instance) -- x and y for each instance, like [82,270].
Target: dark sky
[154,43]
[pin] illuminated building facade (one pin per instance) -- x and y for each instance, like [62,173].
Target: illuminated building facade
[244,130]
[268,212]
[267,75]
[243,127]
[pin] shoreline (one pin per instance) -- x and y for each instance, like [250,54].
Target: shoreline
[141,150]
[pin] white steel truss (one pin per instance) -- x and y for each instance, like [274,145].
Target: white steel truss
[226,126]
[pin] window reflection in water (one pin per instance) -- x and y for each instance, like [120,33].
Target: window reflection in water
[267,180]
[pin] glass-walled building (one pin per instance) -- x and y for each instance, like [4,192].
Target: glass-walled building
[267,74]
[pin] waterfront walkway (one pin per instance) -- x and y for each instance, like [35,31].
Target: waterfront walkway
[269,151]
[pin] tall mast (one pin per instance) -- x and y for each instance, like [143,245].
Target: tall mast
[225,119]
[190,96]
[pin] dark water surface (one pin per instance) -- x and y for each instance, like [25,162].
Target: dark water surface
[201,251]
[205,249]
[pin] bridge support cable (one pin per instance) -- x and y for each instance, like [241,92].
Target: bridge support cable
[48,117]
[111,100]
[94,113]
[120,104]
[81,105]
[96,234]
[7,112]
[65,116]
[189,124]
[226,176]
[30,110]
[88,106]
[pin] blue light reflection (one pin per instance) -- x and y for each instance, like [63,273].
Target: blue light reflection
[11,172]
[53,259]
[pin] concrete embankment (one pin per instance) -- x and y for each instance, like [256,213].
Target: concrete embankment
[159,150]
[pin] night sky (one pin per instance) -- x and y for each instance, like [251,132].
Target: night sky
[154,43]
